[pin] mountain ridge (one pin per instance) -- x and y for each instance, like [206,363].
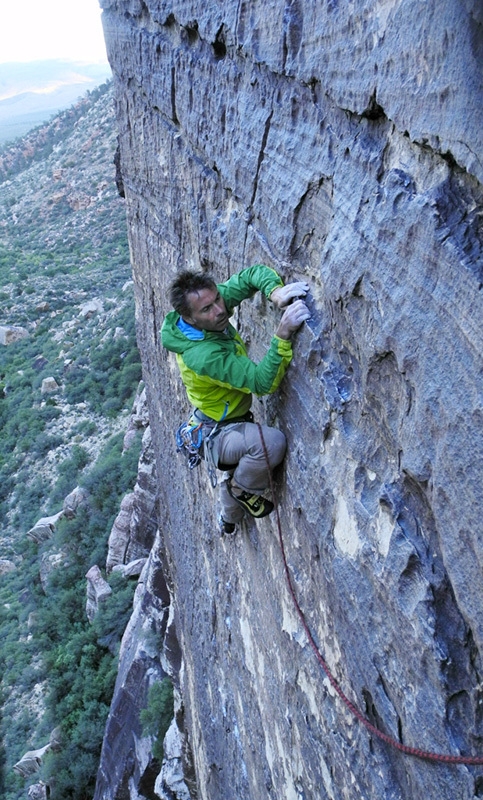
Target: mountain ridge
[32,92]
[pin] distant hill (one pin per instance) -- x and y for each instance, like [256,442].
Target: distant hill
[31,93]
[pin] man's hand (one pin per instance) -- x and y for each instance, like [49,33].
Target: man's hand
[292,318]
[283,295]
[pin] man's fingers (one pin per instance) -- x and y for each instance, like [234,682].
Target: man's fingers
[297,313]
[299,305]
[292,318]
[282,295]
[302,287]
[298,289]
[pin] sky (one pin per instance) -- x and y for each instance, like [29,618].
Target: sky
[33,30]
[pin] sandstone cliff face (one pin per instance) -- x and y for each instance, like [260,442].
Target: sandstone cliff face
[340,143]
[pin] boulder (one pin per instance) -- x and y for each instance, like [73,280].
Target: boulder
[126,758]
[50,562]
[139,418]
[131,570]
[170,782]
[92,307]
[98,590]
[38,791]
[134,528]
[77,498]
[44,528]
[55,739]
[120,533]
[6,566]
[49,386]
[32,620]
[9,334]
[39,363]
[31,762]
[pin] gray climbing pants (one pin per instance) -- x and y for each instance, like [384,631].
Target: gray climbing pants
[239,451]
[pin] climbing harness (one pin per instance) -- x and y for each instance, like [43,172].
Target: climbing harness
[441,758]
[195,439]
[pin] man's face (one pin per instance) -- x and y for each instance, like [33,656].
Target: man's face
[208,310]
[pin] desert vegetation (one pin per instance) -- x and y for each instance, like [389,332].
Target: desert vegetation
[66,392]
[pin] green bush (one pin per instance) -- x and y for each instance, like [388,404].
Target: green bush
[109,625]
[107,378]
[85,428]
[75,660]
[113,474]
[29,498]
[69,474]
[44,443]
[80,658]
[158,714]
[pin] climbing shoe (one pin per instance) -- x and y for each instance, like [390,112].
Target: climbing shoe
[256,505]
[226,528]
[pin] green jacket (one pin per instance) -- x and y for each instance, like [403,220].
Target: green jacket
[215,368]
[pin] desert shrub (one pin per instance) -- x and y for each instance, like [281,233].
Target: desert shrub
[110,624]
[82,670]
[105,375]
[29,498]
[113,474]
[79,658]
[85,428]
[40,262]
[158,714]
[69,471]
[44,443]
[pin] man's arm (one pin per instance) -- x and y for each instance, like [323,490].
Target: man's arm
[248,281]
[243,285]
[237,371]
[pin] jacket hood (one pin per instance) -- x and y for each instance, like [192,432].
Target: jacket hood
[172,337]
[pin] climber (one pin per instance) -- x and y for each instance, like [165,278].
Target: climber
[219,377]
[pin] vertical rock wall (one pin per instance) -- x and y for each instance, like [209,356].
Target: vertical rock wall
[341,143]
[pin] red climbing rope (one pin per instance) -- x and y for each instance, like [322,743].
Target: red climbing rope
[410,751]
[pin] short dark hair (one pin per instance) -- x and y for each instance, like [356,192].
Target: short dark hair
[183,285]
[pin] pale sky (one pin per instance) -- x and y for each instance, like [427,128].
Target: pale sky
[32,30]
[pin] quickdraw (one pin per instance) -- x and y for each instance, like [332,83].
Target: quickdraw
[189,441]
[194,440]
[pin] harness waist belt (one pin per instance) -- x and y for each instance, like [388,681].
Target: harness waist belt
[203,418]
